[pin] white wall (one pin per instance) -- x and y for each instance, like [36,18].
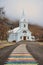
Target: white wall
[18,36]
[28,34]
[11,37]
[22,25]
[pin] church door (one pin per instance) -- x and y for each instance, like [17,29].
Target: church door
[24,38]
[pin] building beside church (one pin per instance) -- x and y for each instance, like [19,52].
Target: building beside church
[22,32]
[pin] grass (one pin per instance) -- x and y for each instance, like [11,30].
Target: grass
[41,43]
[4,43]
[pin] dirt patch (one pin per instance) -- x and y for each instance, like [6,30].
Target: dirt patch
[36,50]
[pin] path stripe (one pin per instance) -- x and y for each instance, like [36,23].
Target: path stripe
[21,54]
[21,59]
[20,64]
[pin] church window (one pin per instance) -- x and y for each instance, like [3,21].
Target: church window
[24,31]
[2,12]
[28,37]
[21,37]
[24,25]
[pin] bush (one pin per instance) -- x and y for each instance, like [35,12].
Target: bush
[40,40]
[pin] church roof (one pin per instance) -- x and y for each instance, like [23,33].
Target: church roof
[14,30]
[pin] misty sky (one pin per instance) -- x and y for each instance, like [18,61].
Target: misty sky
[33,9]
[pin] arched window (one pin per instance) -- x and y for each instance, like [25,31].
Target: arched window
[28,37]
[24,25]
[24,31]
[3,13]
[21,37]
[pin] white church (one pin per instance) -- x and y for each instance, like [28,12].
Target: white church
[22,32]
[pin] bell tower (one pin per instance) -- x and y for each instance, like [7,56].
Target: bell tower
[23,23]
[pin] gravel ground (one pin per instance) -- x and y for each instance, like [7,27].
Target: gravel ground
[5,52]
[36,50]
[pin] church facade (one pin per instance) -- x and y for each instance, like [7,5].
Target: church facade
[21,33]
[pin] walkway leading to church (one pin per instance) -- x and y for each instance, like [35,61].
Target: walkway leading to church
[20,56]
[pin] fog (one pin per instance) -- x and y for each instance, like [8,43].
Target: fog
[33,9]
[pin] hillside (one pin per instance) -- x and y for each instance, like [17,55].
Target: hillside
[3,29]
[5,25]
[37,31]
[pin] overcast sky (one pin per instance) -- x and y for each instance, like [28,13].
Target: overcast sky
[33,9]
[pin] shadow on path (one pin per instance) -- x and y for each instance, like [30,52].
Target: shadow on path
[5,52]
[36,50]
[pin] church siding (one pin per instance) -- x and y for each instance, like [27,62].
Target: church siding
[11,37]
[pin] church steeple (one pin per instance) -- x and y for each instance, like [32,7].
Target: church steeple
[23,17]
[23,14]
[23,22]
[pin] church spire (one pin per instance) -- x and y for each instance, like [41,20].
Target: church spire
[23,14]
[23,17]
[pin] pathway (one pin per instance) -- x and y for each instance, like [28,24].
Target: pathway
[20,56]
